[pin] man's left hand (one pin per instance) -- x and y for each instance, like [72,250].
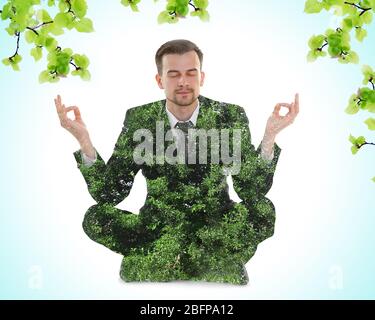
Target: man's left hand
[276,122]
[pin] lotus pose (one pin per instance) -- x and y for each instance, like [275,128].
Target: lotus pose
[188,227]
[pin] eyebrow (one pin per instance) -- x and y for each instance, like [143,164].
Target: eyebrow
[193,69]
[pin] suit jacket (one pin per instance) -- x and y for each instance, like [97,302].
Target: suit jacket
[194,193]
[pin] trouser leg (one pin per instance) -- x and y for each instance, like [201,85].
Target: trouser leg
[222,249]
[118,230]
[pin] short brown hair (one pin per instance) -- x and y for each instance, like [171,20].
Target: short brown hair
[178,46]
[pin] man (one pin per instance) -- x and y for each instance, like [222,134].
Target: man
[188,228]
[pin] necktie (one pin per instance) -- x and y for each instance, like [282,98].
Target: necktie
[184,127]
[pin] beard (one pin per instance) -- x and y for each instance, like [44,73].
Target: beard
[183,100]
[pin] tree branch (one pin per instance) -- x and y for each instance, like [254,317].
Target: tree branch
[370,143]
[373,86]
[359,7]
[38,26]
[70,8]
[18,45]
[195,8]
[321,48]
[72,63]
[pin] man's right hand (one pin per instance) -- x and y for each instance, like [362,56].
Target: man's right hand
[76,127]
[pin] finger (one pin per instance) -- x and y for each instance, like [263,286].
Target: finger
[57,102]
[278,107]
[59,107]
[296,101]
[66,123]
[77,113]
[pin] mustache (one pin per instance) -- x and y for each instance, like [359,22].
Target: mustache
[179,91]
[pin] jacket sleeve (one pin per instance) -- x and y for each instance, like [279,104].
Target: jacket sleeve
[254,179]
[111,183]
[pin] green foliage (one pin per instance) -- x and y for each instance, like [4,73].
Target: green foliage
[355,15]
[176,9]
[39,27]
[188,228]
[337,42]
[370,123]
[357,143]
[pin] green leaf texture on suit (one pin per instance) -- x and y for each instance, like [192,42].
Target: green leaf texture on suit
[188,228]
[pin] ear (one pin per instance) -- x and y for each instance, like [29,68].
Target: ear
[202,78]
[158,80]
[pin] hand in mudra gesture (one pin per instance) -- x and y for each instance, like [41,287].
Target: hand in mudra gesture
[276,122]
[76,127]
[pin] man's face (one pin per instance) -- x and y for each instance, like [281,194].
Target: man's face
[181,78]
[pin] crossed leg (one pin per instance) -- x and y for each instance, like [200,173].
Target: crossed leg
[216,252]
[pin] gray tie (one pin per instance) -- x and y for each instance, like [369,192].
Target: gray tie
[185,126]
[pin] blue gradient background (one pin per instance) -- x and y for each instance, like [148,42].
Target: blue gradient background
[323,246]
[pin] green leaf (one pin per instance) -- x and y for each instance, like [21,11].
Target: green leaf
[366,93]
[368,74]
[352,57]
[352,107]
[81,61]
[360,141]
[63,69]
[163,17]
[55,30]
[203,4]
[354,149]
[370,123]
[313,6]
[367,17]
[347,24]
[50,43]
[6,61]
[312,56]
[85,75]
[204,15]
[352,139]
[370,106]
[16,59]
[316,41]
[44,76]
[134,7]
[5,14]
[30,36]
[360,34]
[125,3]
[182,10]
[79,7]
[43,15]
[15,66]
[68,51]
[62,20]
[373,179]
[367,70]
[63,6]
[36,53]
[84,25]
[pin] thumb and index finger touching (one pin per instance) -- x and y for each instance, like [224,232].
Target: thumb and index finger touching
[62,110]
[293,107]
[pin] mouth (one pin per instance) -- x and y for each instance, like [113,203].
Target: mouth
[184,92]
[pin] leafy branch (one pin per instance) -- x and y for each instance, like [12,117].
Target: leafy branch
[355,16]
[40,30]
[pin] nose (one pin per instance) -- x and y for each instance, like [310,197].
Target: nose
[182,81]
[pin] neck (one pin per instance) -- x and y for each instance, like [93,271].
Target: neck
[182,113]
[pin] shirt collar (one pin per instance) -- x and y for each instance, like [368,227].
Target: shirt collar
[173,120]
